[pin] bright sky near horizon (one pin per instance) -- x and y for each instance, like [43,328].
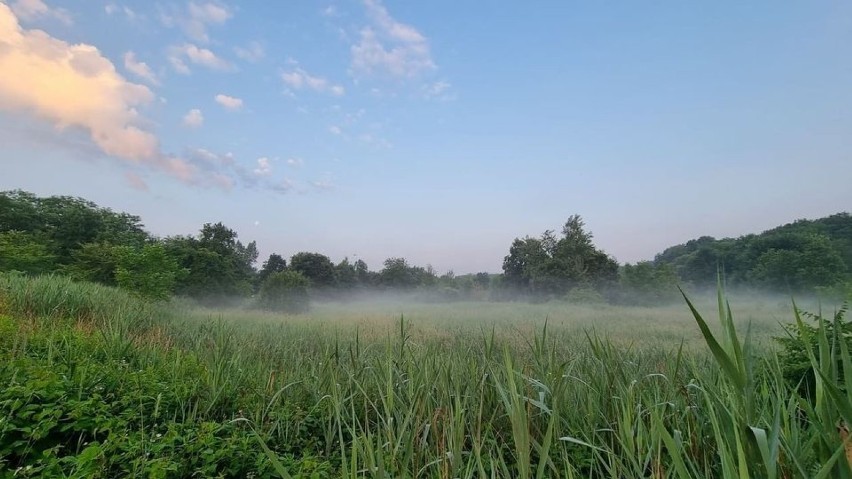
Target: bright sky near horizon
[437,131]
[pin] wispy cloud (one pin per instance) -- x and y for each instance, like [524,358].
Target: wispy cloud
[257,176]
[295,162]
[193,118]
[135,181]
[229,102]
[196,18]
[196,55]
[335,130]
[325,183]
[390,47]
[264,168]
[31,10]
[253,52]
[299,79]
[440,90]
[140,69]
[129,13]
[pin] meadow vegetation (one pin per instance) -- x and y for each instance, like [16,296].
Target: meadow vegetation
[128,355]
[102,383]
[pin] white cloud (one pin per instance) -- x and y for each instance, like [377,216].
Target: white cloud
[295,162]
[330,11]
[196,55]
[325,183]
[229,102]
[389,46]
[35,9]
[140,69]
[196,19]
[112,9]
[335,130]
[252,53]
[179,66]
[284,186]
[439,90]
[74,86]
[193,118]
[300,79]
[264,168]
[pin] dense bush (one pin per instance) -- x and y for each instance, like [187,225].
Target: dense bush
[286,291]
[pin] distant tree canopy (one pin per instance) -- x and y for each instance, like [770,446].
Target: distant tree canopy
[219,267]
[285,291]
[317,268]
[62,224]
[398,274]
[551,265]
[799,256]
[275,264]
[75,237]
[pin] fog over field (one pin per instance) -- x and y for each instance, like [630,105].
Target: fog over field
[381,239]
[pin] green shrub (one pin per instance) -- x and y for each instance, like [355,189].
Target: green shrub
[795,362]
[286,291]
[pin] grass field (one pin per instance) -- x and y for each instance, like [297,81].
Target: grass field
[663,326]
[104,385]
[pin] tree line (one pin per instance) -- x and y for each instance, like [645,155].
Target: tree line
[75,237]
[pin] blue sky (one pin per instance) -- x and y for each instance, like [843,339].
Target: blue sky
[437,131]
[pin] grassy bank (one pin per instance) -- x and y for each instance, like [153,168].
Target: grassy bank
[104,385]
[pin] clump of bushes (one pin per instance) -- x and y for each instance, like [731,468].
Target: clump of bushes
[285,291]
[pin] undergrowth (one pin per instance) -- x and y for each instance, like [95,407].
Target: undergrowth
[101,384]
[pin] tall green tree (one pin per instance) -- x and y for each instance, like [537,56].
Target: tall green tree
[274,264]
[95,262]
[219,267]
[317,268]
[552,265]
[26,253]
[399,274]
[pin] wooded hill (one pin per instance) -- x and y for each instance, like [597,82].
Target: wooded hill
[797,256]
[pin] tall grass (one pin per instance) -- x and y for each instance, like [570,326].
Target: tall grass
[494,403]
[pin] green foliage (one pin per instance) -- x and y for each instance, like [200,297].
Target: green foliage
[398,274]
[804,338]
[274,264]
[218,266]
[95,262]
[800,257]
[285,291]
[317,268]
[25,252]
[149,271]
[66,223]
[195,397]
[71,408]
[51,297]
[811,262]
[648,283]
[551,266]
